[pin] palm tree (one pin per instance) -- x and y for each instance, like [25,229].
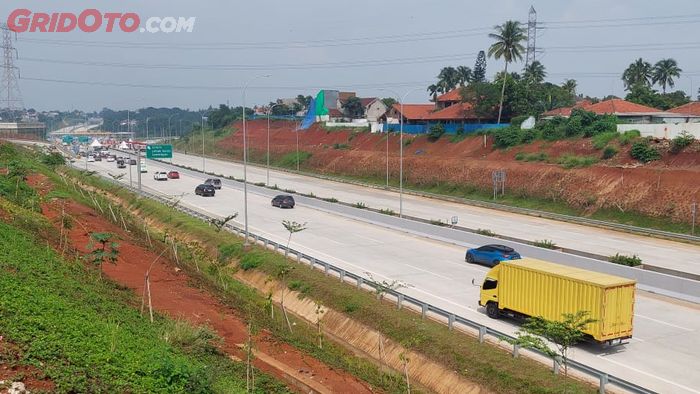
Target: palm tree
[569,86]
[448,78]
[433,91]
[464,75]
[534,72]
[664,71]
[508,46]
[639,72]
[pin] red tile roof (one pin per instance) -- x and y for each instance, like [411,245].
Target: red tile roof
[618,106]
[452,95]
[335,113]
[414,111]
[367,101]
[461,111]
[342,96]
[612,106]
[692,108]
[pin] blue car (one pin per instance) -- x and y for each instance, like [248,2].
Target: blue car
[491,255]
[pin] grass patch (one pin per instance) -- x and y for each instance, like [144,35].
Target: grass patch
[545,243]
[629,136]
[541,156]
[289,160]
[486,232]
[341,146]
[87,336]
[601,140]
[609,152]
[387,211]
[630,261]
[573,161]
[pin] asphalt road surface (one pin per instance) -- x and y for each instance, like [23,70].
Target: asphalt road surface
[666,341]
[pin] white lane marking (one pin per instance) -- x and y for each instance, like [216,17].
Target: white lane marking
[664,323]
[426,271]
[649,374]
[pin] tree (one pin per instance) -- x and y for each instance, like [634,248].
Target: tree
[537,332]
[464,75]
[483,98]
[220,223]
[534,72]
[448,79]
[389,101]
[569,86]
[102,249]
[639,72]
[664,71]
[433,90]
[508,37]
[479,73]
[292,227]
[304,101]
[352,107]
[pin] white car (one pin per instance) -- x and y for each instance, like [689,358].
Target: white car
[110,159]
[160,176]
[91,159]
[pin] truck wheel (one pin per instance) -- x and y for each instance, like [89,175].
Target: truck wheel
[492,310]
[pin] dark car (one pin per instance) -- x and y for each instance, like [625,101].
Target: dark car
[98,158]
[283,201]
[491,254]
[132,162]
[205,190]
[216,182]
[174,175]
[121,164]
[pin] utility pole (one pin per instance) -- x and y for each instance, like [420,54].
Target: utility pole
[10,96]
[531,36]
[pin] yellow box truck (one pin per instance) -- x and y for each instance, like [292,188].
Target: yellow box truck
[535,288]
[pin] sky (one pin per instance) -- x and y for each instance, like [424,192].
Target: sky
[375,48]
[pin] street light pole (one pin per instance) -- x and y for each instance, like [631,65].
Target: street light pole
[202,130]
[269,111]
[170,136]
[245,162]
[147,119]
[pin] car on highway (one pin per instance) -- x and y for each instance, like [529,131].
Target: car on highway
[160,176]
[143,167]
[205,190]
[132,162]
[91,159]
[98,158]
[174,175]
[283,201]
[491,254]
[121,164]
[110,159]
[215,182]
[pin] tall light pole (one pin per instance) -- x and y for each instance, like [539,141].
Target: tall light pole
[269,111]
[245,162]
[402,98]
[147,119]
[202,130]
[170,136]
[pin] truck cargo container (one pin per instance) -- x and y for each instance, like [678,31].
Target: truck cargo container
[535,288]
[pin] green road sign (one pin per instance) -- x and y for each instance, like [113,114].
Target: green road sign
[159,151]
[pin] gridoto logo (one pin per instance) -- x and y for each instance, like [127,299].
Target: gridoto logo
[91,20]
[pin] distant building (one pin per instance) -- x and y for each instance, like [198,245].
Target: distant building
[21,129]
[628,112]
[692,108]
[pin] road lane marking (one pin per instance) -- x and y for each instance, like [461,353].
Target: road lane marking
[649,374]
[664,323]
[431,273]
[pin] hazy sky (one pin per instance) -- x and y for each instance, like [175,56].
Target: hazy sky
[360,46]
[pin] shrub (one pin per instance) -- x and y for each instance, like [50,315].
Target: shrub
[507,137]
[630,261]
[545,243]
[300,286]
[573,161]
[360,205]
[609,152]
[53,159]
[629,136]
[520,156]
[387,211]
[486,232]
[642,151]
[341,146]
[435,132]
[680,142]
[330,199]
[601,140]
[251,261]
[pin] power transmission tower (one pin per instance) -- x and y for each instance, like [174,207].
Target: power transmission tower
[10,96]
[531,36]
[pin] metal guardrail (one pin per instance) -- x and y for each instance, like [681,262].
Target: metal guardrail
[426,309]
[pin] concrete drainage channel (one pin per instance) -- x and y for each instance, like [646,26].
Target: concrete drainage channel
[453,321]
[655,282]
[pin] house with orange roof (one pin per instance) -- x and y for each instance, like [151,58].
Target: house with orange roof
[626,111]
[692,108]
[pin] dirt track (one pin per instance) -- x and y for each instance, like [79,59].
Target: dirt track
[665,188]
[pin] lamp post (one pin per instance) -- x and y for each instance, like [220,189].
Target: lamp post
[269,111]
[202,130]
[402,98]
[147,119]
[245,162]
[170,135]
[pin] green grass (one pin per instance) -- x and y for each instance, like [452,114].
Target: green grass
[541,156]
[601,140]
[483,364]
[289,160]
[86,335]
[573,161]
[545,243]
